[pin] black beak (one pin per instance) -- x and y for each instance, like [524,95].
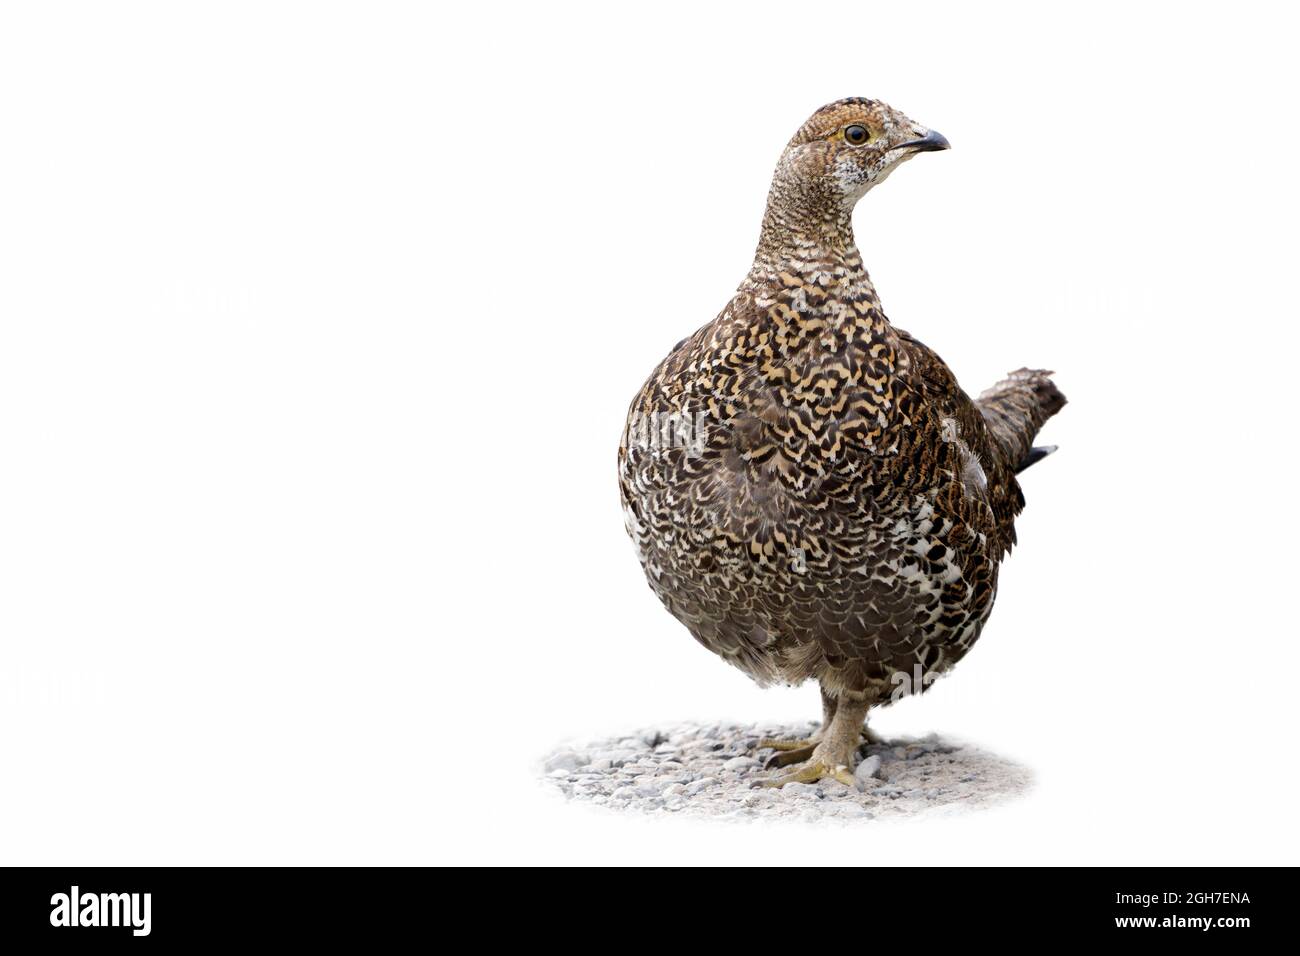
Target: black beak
[927,144]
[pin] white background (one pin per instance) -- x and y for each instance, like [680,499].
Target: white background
[319,326]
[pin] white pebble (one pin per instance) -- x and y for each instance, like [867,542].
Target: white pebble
[740,763]
[564,760]
[702,784]
[796,789]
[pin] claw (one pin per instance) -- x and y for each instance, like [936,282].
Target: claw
[788,755]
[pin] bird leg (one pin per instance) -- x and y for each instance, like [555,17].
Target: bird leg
[795,751]
[832,756]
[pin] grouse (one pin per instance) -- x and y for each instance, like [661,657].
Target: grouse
[807,487]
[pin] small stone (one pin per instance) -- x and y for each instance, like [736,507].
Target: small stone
[739,763]
[830,786]
[703,783]
[616,758]
[564,760]
[796,789]
[867,771]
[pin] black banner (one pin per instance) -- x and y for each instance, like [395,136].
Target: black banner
[200,905]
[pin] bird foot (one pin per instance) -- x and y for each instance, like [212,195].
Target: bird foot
[811,772]
[788,751]
[798,750]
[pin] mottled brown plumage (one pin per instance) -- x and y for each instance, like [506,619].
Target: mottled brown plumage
[809,489]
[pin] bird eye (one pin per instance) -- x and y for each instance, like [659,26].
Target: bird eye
[856,135]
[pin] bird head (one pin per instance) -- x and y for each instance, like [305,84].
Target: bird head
[849,146]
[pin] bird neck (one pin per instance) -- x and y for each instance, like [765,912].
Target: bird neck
[804,230]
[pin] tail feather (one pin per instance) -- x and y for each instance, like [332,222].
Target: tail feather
[1015,409]
[1036,454]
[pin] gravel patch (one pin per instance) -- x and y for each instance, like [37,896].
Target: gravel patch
[710,770]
